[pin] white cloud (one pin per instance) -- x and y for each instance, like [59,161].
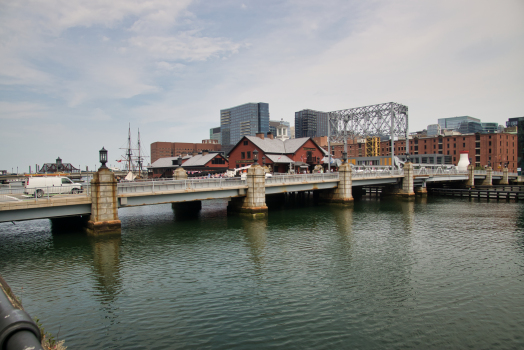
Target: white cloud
[22,110]
[184,46]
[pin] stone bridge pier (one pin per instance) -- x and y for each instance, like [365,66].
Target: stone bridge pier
[254,203]
[104,204]
[405,189]
[341,195]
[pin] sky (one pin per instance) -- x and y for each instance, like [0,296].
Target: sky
[75,74]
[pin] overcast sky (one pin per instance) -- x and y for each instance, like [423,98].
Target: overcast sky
[74,74]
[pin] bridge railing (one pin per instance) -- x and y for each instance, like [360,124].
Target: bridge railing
[438,171]
[293,178]
[381,172]
[178,185]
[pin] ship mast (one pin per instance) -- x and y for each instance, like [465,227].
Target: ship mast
[139,156]
[129,153]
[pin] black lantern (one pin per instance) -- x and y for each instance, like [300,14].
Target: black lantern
[103,158]
[255,156]
[264,160]
[345,156]
[407,157]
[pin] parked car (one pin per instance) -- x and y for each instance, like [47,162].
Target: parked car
[38,186]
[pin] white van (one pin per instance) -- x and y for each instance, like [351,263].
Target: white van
[38,186]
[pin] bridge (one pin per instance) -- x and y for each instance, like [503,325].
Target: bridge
[14,206]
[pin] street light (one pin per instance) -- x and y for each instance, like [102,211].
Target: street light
[407,157]
[264,160]
[345,156]
[103,158]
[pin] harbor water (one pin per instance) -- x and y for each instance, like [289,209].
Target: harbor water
[386,274]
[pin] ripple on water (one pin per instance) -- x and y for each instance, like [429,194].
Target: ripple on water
[385,274]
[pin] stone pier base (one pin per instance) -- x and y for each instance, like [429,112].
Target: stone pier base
[421,192]
[104,204]
[103,227]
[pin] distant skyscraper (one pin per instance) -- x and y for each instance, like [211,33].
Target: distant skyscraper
[214,134]
[247,119]
[310,123]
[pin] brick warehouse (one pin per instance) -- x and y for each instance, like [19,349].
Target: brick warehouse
[496,150]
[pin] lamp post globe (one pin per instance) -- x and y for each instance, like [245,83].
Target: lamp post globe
[344,156]
[255,156]
[103,158]
[263,161]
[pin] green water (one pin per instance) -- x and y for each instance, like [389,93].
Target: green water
[436,273]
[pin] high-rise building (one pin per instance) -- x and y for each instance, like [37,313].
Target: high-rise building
[455,122]
[310,123]
[214,134]
[244,120]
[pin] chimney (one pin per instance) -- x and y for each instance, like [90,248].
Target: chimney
[270,135]
[260,135]
[205,151]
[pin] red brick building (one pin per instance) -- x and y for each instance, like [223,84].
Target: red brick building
[302,153]
[175,149]
[496,150]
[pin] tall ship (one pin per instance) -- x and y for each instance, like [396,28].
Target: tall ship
[133,159]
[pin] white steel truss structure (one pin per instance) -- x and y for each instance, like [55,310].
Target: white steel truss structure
[377,120]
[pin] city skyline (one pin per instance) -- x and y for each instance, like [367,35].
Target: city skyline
[73,77]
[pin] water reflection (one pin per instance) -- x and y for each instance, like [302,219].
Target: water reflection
[106,265]
[255,232]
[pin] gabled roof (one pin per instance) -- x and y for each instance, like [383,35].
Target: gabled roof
[279,158]
[277,146]
[164,163]
[200,160]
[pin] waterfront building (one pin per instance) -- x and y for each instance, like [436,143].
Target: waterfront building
[298,154]
[280,129]
[310,123]
[244,120]
[518,123]
[174,149]
[57,167]
[496,150]
[204,161]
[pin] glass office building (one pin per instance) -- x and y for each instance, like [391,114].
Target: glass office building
[310,123]
[244,120]
[455,122]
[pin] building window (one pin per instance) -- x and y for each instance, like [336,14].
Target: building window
[489,143]
[245,142]
[464,145]
[248,154]
[242,155]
